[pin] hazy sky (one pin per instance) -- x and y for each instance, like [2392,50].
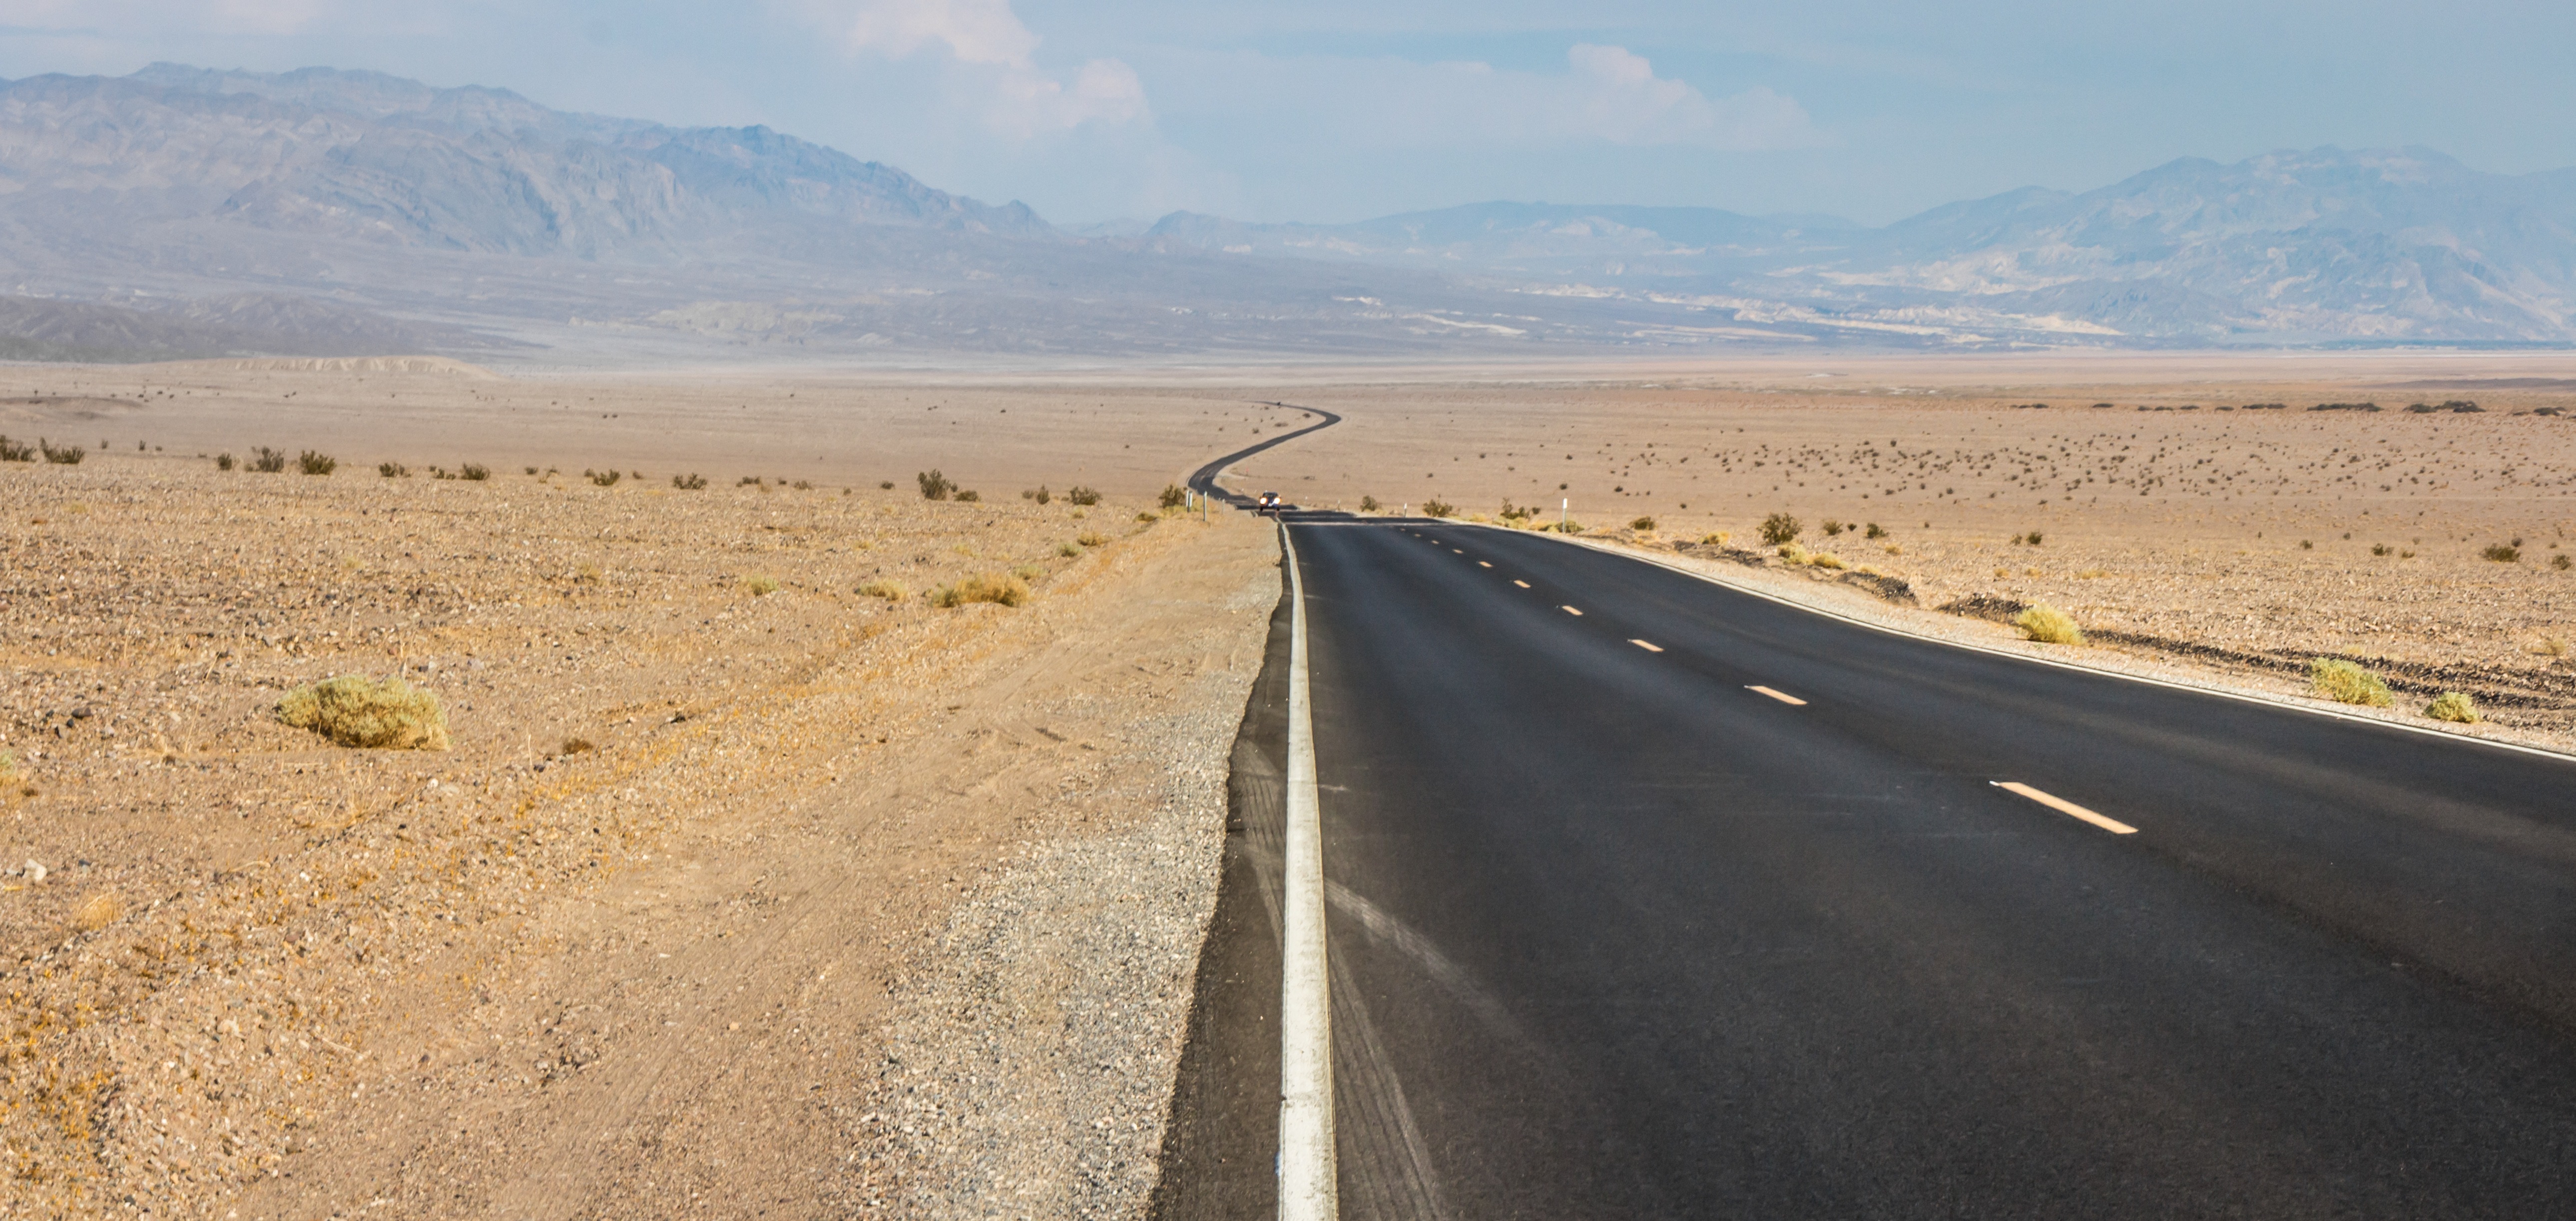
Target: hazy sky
[1338,110]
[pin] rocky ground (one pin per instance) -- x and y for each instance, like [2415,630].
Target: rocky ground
[740,893]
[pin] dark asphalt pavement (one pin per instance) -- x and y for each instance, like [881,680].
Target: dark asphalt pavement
[1615,936]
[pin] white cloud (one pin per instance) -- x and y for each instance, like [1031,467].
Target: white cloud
[1617,97]
[989,43]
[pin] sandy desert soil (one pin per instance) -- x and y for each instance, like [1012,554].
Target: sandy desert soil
[703,914]
[2177,513]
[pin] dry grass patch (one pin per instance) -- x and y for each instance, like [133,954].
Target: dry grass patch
[354,710]
[2346,683]
[97,911]
[760,586]
[986,587]
[891,591]
[2048,625]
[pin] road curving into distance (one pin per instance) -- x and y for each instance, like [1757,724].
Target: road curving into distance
[1650,897]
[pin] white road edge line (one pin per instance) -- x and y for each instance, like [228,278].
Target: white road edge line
[1648,646]
[2063,806]
[1782,696]
[1308,1187]
[2242,697]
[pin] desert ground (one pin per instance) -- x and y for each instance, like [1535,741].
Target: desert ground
[744,892]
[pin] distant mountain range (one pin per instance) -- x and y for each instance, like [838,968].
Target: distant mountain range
[180,211]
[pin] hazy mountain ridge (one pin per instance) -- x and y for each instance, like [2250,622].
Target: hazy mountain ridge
[365,210]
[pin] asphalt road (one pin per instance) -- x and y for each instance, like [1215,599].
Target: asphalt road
[1614,934]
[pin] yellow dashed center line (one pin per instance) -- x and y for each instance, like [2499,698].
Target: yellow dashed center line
[1484,564]
[2063,806]
[1647,645]
[1570,610]
[1522,584]
[1782,696]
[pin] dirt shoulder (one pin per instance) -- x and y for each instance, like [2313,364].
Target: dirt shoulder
[832,875]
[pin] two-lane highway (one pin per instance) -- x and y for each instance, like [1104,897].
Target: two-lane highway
[1654,898]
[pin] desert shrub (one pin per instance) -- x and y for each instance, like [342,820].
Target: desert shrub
[8,767]
[267,461]
[315,463]
[2453,706]
[20,451]
[968,496]
[392,470]
[2379,549]
[604,479]
[934,485]
[1368,504]
[2346,683]
[747,481]
[1826,559]
[1174,496]
[2028,540]
[1875,530]
[885,485]
[532,470]
[475,471]
[1716,538]
[576,746]
[354,710]
[1067,550]
[2048,625]
[1833,527]
[223,462]
[1793,553]
[62,455]
[1039,494]
[1565,526]
[1147,518]
[1437,507]
[689,482]
[1028,572]
[1092,538]
[891,591]
[1643,525]
[2502,553]
[2561,562]
[988,587]
[804,485]
[760,586]
[1078,494]
[1779,529]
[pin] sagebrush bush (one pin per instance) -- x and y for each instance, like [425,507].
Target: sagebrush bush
[1779,529]
[968,496]
[20,451]
[2453,706]
[2048,625]
[390,470]
[1643,525]
[1174,496]
[354,710]
[1834,528]
[223,462]
[1092,538]
[1436,507]
[62,455]
[1875,530]
[1039,494]
[1368,504]
[2346,683]
[2502,553]
[934,485]
[267,461]
[1078,494]
[2561,562]
[891,591]
[690,482]
[1067,550]
[606,479]
[475,471]
[987,587]
[312,462]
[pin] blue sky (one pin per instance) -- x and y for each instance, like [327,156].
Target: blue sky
[1334,110]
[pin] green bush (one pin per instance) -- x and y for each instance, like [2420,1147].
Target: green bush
[690,482]
[1368,504]
[968,496]
[606,479]
[1174,496]
[1039,494]
[62,455]
[20,451]
[475,471]
[1078,494]
[2048,625]
[760,586]
[934,485]
[313,463]
[1643,525]
[2502,553]
[1779,529]
[390,470]
[2453,706]
[267,461]
[354,710]
[2346,683]
[1436,507]
[223,462]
